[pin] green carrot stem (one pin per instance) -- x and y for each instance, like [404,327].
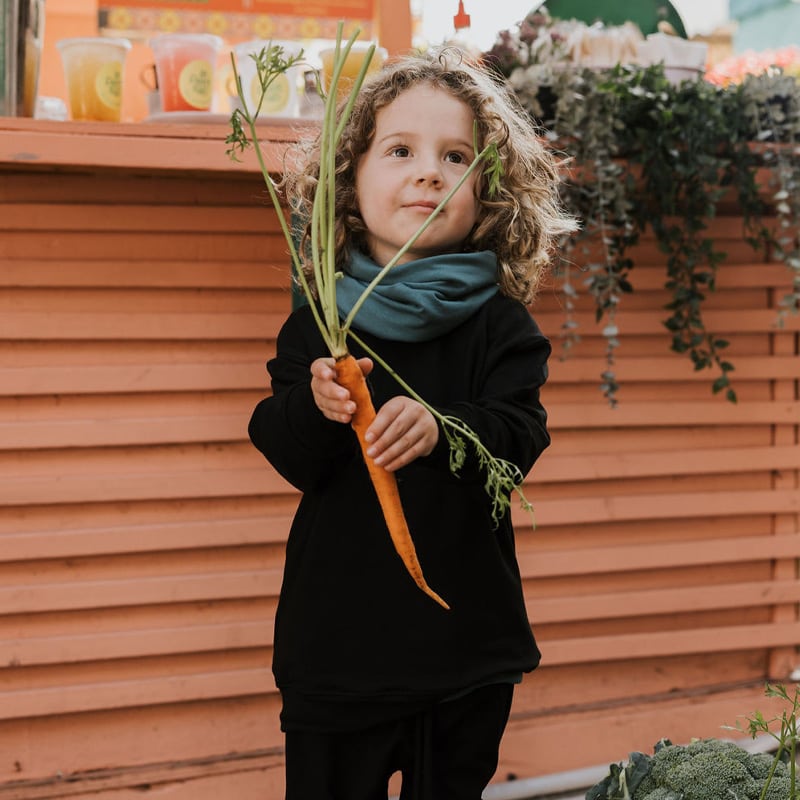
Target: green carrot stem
[273,194]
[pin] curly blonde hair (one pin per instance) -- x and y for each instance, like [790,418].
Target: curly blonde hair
[519,223]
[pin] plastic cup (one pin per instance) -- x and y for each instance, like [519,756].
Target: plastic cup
[281,99]
[185,66]
[350,68]
[93,68]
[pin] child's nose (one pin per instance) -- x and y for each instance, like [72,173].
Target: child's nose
[429,173]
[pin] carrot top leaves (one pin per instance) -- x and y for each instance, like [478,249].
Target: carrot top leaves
[502,477]
[270,64]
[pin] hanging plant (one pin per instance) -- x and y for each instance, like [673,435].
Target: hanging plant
[646,154]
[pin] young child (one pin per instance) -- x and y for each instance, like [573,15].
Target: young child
[374,676]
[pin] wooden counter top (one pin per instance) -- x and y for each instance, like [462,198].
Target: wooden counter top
[176,147]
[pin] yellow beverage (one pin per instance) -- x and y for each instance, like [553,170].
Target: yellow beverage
[350,68]
[93,68]
[281,99]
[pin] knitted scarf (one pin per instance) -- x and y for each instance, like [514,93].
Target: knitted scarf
[419,300]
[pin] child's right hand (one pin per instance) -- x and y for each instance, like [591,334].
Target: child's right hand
[332,399]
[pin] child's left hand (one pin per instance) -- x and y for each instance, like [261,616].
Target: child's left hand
[402,431]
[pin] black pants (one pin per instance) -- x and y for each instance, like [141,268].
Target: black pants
[448,752]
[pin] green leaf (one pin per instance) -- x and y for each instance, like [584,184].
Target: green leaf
[720,383]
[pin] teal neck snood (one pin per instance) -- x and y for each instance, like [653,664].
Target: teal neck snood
[419,300]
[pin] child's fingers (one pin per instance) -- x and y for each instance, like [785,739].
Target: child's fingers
[366,365]
[403,431]
[332,399]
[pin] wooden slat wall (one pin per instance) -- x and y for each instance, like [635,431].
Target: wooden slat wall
[141,536]
[662,577]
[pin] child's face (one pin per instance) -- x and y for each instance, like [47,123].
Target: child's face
[422,146]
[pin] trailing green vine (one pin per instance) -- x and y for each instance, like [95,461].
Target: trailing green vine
[646,154]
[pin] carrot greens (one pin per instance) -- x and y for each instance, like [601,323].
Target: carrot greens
[502,477]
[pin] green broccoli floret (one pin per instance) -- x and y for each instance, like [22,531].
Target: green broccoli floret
[760,764]
[662,793]
[665,760]
[721,746]
[712,775]
[646,786]
[779,788]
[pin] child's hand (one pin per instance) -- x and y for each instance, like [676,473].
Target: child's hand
[331,399]
[402,431]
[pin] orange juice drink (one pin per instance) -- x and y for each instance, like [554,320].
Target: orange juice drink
[93,68]
[185,66]
[351,66]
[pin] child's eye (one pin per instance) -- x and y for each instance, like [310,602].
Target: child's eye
[400,151]
[456,158]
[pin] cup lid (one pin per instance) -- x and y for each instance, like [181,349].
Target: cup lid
[114,41]
[205,38]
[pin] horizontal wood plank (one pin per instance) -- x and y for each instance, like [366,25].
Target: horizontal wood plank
[77,698]
[660,369]
[650,323]
[246,775]
[139,147]
[114,487]
[119,273]
[717,412]
[621,605]
[119,539]
[58,325]
[657,555]
[145,246]
[78,433]
[108,646]
[677,506]
[610,465]
[130,378]
[668,643]
[649,275]
[47,217]
[120,592]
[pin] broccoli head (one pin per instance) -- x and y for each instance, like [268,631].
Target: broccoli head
[759,766]
[720,746]
[712,775]
[708,769]
[662,793]
[665,759]
[780,788]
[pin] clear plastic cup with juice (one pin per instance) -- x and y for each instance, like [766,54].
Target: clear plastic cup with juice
[281,99]
[93,68]
[185,66]
[350,68]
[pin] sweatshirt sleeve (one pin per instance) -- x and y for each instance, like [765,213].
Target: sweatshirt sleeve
[287,427]
[505,410]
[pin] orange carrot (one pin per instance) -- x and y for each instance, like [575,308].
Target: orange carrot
[350,376]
